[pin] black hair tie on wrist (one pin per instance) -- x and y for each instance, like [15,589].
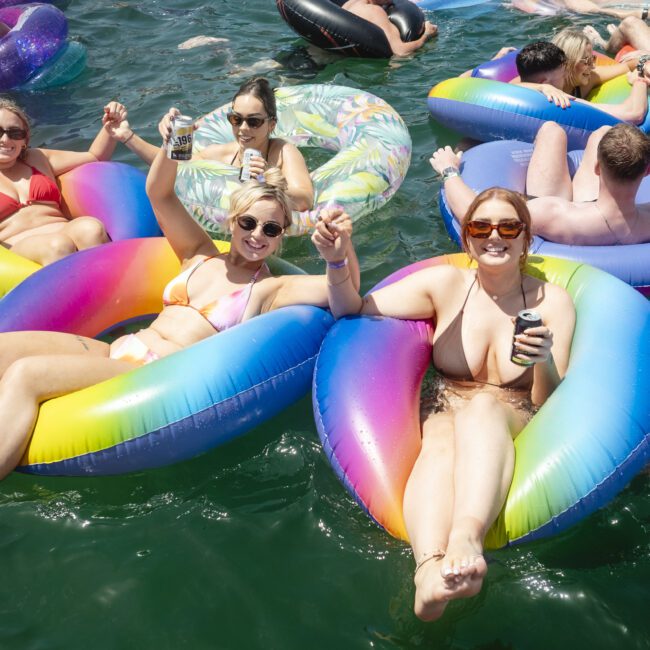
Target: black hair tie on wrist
[644,13]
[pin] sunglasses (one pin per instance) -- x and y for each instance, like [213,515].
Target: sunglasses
[254,122]
[14,133]
[506,229]
[269,228]
[588,60]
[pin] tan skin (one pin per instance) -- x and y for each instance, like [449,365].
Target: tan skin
[276,152]
[36,366]
[373,12]
[40,231]
[556,87]
[467,455]
[592,209]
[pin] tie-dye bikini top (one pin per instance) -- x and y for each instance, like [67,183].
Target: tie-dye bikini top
[223,313]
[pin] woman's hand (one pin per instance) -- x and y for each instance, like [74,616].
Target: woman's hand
[443,159]
[257,166]
[534,344]
[502,52]
[165,126]
[332,234]
[115,122]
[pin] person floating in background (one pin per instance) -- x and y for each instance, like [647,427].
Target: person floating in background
[373,11]
[595,208]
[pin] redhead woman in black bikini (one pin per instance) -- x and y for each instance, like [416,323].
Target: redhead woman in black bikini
[253,118]
[461,478]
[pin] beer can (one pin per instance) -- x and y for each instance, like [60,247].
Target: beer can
[179,146]
[525,318]
[245,171]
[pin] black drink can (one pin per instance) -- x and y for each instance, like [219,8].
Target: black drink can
[525,318]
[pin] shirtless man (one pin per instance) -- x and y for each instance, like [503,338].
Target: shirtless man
[596,208]
[373,11]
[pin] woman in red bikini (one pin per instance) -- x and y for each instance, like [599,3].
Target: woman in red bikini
[212,293]
[32,222]
[461,478]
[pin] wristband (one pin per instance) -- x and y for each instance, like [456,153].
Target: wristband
[644,13]
[641,64]
[132,134]
[338,265]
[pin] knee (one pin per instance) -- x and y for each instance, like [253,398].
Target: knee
[22,375]
[597,135]
[87,232]
[58,245]
[551,131]
[630,23]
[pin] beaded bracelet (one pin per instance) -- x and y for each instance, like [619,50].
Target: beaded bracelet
[338,265]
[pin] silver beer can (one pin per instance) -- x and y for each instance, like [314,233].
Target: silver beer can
[525,318]
[179,146]
[245,171]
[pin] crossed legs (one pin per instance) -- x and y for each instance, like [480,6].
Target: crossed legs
[630,31]
[455,491]
[36,366]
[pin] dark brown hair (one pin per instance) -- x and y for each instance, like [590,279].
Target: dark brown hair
[624,153]
[259,87]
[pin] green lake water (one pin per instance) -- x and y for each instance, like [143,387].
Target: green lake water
[256,544]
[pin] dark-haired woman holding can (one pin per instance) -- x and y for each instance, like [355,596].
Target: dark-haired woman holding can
[485,394]
[253,117]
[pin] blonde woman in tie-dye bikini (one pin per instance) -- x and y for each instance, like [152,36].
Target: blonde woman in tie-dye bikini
[213,292]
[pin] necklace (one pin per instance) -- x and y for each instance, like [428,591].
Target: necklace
[495,297]
[614,235]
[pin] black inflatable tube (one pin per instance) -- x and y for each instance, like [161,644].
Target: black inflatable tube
[326,25]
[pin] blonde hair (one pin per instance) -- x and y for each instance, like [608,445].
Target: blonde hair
[574,44]
[273,187]
[12,107]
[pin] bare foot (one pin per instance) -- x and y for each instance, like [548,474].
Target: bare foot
[199,41]
[611,28]
[463,567]
[431,591]
[596,39]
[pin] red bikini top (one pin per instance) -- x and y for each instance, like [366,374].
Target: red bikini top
[42,189]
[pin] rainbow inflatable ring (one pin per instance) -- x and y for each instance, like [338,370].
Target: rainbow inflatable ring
[581,448]
[372,143]
[504,163]
[36,54]
[90,190]
[173,408]
[485,107]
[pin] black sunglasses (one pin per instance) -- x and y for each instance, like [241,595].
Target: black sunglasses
[254,122]
[269,228]
[483,229]
[14,133]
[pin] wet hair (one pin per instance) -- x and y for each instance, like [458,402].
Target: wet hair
[624,153]
[573,43]
[273,187]
[259,87]
[12,107]
[539,57]
[516,200]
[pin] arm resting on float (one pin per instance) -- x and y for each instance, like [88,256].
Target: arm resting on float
[294,169]
[185,235]
[635,105]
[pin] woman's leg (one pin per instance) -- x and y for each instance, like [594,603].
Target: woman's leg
[30,381]
[586,184]
[78,234]
[17,345]
[428,508]
[548,170]
[484,463]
